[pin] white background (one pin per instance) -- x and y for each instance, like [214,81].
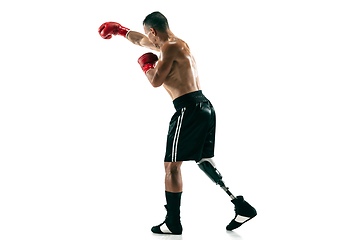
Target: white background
[82,133]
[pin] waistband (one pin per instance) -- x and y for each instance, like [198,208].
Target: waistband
[189,99]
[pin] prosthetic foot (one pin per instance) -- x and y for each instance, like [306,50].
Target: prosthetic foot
[243,213]
[243,210]
[172,224]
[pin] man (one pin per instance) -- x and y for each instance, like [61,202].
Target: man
[191,133]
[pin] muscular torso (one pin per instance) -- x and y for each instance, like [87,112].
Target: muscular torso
[183,77]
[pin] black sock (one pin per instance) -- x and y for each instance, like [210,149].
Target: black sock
[173,201]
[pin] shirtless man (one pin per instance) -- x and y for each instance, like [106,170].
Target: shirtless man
[191,133]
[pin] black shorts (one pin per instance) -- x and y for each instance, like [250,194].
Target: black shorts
[191,133]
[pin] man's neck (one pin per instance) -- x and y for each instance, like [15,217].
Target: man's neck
[165,37]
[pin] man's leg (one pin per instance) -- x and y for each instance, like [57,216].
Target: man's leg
[173,191]
[173,178]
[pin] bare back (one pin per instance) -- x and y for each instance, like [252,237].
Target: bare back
[183,76]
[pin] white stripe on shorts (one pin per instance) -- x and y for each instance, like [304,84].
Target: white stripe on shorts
[177,134]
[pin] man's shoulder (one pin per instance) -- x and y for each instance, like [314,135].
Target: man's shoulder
[173,45]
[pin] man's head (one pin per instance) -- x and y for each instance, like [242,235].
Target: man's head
[154,24]
[157,21]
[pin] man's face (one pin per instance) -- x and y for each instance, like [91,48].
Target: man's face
[151,34]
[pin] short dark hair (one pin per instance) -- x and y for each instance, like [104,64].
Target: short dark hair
[157,21]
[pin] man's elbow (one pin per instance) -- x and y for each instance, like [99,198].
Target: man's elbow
[155,84]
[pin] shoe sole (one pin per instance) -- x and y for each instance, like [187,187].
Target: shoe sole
[234,224]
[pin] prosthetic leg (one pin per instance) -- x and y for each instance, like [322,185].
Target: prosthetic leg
[243,210]
[208,167]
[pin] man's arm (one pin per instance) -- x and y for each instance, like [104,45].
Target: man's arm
[106,30]
[158,75]
[141,40]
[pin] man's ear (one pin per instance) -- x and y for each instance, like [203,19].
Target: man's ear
[153,31]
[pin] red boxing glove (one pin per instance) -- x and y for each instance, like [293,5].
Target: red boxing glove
[147,61]
[106,30]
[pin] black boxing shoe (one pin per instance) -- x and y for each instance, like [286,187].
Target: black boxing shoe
[171,225]
[243,213]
